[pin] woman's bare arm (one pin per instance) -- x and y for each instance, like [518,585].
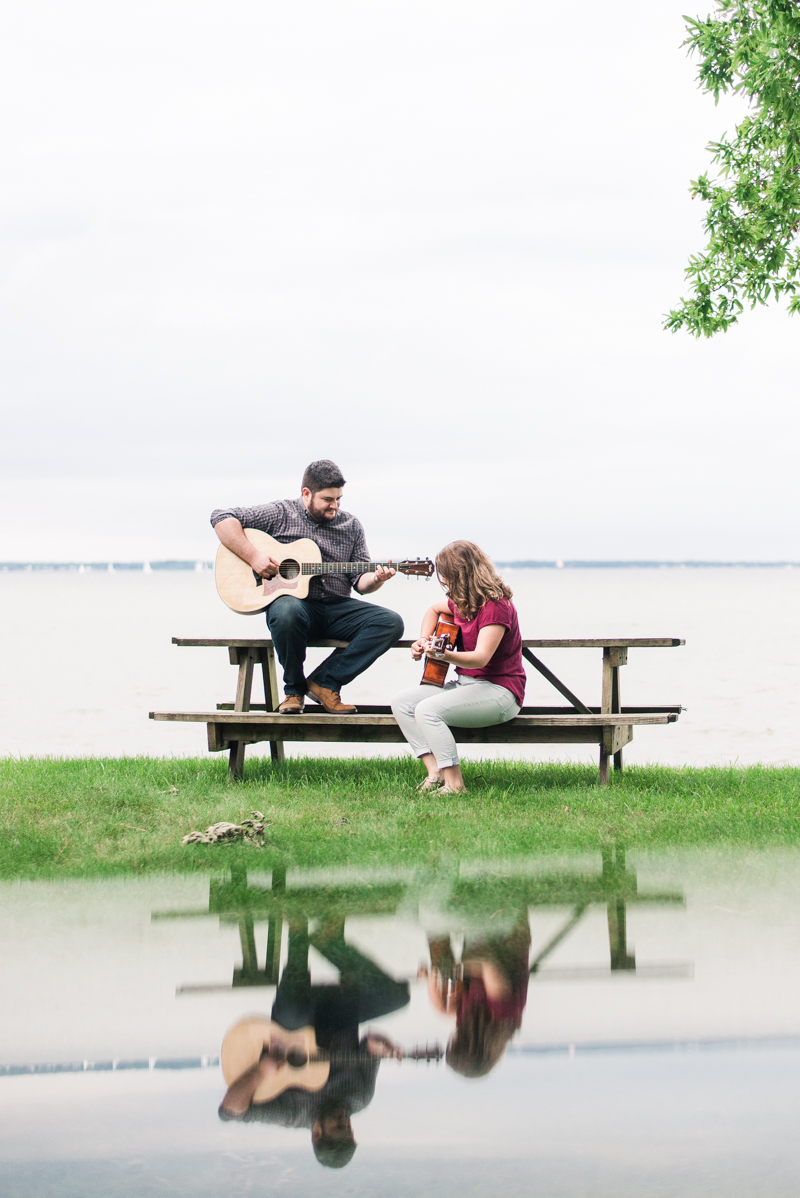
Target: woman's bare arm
[489,638]
[429,621]
[495,982]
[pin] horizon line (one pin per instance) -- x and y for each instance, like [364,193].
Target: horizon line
[201,565]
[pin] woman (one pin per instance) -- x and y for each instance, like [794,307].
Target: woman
[485,994]
[490,683]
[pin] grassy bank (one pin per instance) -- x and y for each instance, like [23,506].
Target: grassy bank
[93,817]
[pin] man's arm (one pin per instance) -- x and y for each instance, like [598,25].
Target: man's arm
[367,584]
[240,1094]
[379,1045]
[231,533]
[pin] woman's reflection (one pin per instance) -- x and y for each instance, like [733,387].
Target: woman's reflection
[486,993]
[334,1012]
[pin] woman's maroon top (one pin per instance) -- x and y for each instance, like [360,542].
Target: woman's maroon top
[510,1007]
[504,667]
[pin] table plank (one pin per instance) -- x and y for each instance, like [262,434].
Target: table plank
[273,719]
[658,642]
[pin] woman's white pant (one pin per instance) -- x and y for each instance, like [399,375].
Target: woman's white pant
[424,713]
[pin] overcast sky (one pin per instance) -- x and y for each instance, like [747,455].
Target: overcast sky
[431,239]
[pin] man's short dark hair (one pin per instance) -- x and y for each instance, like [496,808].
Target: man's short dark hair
[322,474]
[334,1154]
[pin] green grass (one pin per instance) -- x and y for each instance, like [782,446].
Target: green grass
[92,817]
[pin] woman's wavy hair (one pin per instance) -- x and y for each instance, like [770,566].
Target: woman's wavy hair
[479,1042]
[471,577]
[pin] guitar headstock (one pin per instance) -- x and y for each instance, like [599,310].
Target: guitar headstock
[417,568]
[431,1052]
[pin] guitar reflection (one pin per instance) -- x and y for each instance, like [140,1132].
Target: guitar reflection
[485,993]
[333,1014]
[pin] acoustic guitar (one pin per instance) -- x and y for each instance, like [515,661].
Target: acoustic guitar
[301,1064]
[443,641]
[245,592]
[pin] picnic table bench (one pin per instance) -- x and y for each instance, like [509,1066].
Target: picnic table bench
[233,726]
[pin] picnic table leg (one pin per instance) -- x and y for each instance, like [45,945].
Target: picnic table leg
[610,704]
[621,959]
[244,686]
[602,777]
[605,708]
[272,965]
[616,699]
[247,938]
[271,697]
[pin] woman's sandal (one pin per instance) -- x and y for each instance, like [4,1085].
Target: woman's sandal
[429,783]
[451,790]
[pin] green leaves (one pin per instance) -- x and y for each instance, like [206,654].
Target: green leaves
[750,48]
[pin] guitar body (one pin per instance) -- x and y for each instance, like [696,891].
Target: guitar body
[245,1042]
[299,562]
[444,639]
[242,592]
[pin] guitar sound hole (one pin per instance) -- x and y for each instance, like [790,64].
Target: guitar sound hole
[296,1058]
[289,569]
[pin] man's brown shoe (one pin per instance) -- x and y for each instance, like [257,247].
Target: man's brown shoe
[291,705]
[330,700]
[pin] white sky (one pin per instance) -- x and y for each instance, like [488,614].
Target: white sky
[432,239]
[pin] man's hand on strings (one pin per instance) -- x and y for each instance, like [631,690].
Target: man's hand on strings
[264,565]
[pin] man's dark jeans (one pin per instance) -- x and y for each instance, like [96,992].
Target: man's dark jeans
[364,992]
[294,622]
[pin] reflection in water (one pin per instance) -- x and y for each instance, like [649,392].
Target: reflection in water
[483,988]
[485,992]
[271,1089]
[549,987]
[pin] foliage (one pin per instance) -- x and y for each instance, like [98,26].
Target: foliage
[92,817]
[749,48]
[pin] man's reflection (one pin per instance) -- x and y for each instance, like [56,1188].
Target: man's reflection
[486,993]
[364,992]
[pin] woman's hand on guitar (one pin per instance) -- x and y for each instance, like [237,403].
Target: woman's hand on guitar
[419,647]
[264,565]
[434,653]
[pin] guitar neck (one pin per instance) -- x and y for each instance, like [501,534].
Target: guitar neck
[341,567]
[353,1058]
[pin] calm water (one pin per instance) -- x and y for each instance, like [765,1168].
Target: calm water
[85,657]
[655,1048]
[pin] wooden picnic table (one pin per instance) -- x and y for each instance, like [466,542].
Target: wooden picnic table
[233,726]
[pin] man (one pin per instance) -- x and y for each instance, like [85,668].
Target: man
[329,613]
[363,993]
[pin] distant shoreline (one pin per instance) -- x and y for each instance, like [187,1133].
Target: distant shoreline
[201,566]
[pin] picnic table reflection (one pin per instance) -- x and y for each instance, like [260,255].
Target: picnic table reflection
[462,892]
[483,987]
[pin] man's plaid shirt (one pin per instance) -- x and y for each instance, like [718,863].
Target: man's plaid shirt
[340,539]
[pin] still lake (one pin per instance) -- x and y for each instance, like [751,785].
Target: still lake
[651,1045]
[85,657]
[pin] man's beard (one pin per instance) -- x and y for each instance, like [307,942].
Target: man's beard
[322,517]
